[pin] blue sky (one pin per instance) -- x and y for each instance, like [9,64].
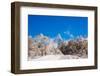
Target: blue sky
[67,26]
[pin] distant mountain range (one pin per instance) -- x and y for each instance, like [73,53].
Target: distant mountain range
[42,45]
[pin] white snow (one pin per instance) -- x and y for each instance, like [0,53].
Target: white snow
[55,57]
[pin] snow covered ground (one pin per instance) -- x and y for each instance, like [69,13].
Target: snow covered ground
[55,57]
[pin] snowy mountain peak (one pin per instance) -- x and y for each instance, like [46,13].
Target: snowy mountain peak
[29,36]
[41,34]
[59,37]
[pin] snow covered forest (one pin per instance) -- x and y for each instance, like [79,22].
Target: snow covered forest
[42,47]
